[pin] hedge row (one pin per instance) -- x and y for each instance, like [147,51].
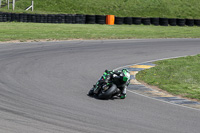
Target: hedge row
[94,19]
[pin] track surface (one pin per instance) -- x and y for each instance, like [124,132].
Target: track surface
[43,88]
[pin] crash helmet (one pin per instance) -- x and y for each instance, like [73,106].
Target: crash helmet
[126,75]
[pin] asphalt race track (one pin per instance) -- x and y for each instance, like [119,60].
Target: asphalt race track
[44,86]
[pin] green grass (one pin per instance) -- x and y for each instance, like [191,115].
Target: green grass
[34,31]
[125,8]
[179,76]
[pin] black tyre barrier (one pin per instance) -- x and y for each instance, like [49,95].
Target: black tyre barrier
[28,18]
[1,17]
[119,20]
[79,19]
[100,19]
[4,17]
[9,17]
[68,19]
[197,22]
[189,22]
[73,19]
[172,21]
[164,21]
[180,22]
[90,19]
[24,18]
[128,20]
[20,18]
[53,18]
[59,18]
[136,20]
[146,21]
[155,21]
[93,19]
[49,18]
[43,18]
[12,16]
[16,17]
[33,18]
[38,18]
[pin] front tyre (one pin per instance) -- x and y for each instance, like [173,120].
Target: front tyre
[91,92]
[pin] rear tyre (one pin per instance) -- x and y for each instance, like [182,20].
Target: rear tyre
[109,93]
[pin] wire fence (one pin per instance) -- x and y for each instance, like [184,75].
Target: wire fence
[8,3]
[3,2]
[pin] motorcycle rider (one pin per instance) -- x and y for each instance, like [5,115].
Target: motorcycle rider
[120,78]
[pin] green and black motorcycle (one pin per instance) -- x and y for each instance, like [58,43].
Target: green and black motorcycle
[104,88]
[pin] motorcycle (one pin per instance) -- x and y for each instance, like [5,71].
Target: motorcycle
[104,88]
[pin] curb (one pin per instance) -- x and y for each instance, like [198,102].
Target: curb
[139,88]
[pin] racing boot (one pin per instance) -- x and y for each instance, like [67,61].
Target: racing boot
[122,96]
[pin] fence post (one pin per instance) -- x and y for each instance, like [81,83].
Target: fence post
[8,4]
[32,4]
[13,5]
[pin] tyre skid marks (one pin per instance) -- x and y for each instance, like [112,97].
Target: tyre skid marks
[149,92]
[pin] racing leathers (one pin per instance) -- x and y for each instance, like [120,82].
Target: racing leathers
[122,80]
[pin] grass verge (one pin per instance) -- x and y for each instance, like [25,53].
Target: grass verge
[180,76]
[37,31]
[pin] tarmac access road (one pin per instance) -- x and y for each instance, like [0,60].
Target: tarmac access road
[44,86]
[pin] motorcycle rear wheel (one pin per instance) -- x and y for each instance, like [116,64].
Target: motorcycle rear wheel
[108,93]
